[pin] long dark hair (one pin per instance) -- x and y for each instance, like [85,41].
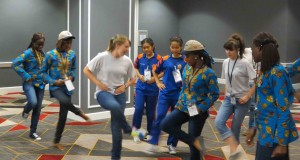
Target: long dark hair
[235,41]
[268,46]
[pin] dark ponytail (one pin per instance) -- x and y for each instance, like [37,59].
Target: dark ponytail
[234,42]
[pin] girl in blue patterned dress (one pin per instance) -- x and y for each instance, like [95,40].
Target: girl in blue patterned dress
[274,122]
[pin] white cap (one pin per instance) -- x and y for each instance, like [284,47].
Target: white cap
[192,45]
[65,35]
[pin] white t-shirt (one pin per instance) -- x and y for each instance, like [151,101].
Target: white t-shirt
[241,74]
[111,71]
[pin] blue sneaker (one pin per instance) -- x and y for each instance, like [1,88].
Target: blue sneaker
[140,133]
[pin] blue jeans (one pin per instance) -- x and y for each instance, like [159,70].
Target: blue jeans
[34,97]
[172,125]
[264,153]
[140,100]
[225,111]
[64,99]
[116,105]
[164,102]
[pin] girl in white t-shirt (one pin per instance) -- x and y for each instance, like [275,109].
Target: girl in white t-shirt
[237,73]
[112,67]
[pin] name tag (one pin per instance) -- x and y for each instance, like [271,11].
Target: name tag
[232,100]
[177,75]
[193,111]
[69,85]
[147,75]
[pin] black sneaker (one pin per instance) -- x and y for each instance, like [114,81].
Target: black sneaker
[35,136]
[25,115]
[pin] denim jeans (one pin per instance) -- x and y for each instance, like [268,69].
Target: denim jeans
[34,97]
[264,153]
[116,105]
[225,111]
[65,105]
[172,125]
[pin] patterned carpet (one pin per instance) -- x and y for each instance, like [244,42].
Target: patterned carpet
[92,140]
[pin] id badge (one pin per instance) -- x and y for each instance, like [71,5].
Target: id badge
[112,91]
[193,111]
[147,75]
[69,85]
[232,100]
[177,75]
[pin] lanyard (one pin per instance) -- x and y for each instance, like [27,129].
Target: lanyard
[38,57]
[230,76]
[191,78]
[64,62]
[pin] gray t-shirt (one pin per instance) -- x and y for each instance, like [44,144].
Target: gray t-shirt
[111,71]
[241,74]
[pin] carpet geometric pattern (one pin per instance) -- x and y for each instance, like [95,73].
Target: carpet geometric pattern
[92,140]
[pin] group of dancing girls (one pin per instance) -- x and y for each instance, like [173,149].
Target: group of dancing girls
[188,88]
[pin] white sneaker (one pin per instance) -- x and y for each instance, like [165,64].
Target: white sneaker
[147,138]
[152,149]
[136,139]
[35,137]
[236,155]
[172,149]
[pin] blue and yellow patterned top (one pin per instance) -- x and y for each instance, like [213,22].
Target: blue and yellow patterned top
[294,68]
[201,88]
[53,67]
[28,66]
[274,120]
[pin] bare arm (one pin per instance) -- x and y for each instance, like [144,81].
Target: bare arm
[141,77]
[122,88]
[245,98]
[297,96]
[156,78]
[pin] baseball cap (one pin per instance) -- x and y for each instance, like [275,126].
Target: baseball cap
[192,45]
[65,35]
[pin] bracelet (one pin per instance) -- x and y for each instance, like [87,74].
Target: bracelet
[125,86]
